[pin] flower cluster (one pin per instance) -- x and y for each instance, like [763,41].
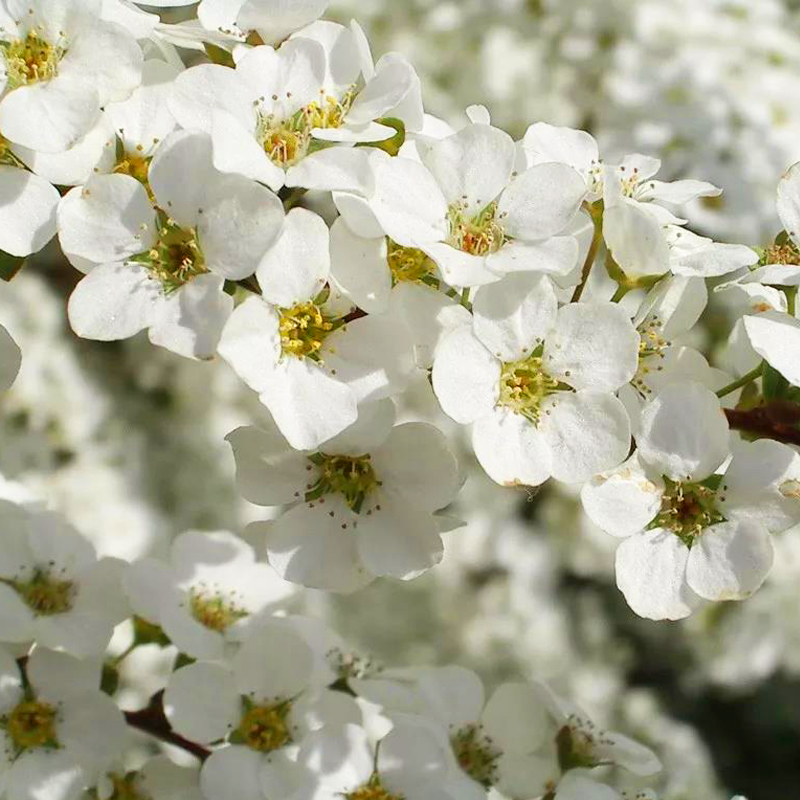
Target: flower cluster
[286,204]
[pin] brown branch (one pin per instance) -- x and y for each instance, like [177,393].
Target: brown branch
[153,721]
[776,421]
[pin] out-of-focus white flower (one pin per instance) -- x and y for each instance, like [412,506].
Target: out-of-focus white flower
[10,359]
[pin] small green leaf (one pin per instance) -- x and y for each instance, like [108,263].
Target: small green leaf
[774,385]
[145,632]
[391,146]
[218,55]
[10,265]
[109,681]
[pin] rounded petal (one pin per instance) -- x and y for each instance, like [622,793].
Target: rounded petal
[592,346]
[108,220]
[515,718]
[296,266]
[587,433]
[730,561]
[417,463]
[776,337]
[28,206]
[466,376]
[683,432]
[314,544]
[541,202]
[412,756]
[511,450]
[114,301]
[635,239]
[651,573]
[232,773]
[512,317]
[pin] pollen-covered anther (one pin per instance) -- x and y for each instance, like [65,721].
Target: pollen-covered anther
[373,790]
[409,264]
[687,509]
[266,727]
[44,593]
[31,60]
[479,235]
[303,329]
[353,477]
[524,385]
[476,754]
[214,611]
[176,257]
[31,724]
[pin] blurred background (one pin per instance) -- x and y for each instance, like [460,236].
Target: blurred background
[127,439]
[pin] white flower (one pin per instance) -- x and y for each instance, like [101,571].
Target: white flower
[10,359]
[209,594]
[161,265]
[28,206]
[53,589]
[62,64]
[646,239]
[364,501]
[310,366]
[157,779]
[538,383]
[409,763]
[272,20]
[273,117]
[467,209]
[690,534]
[264,704]
[59,731]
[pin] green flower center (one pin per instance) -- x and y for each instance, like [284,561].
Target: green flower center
[31,724]
[479,235]
[176,257]
[214,611]
[353,477]
[687,509]
[476,754]
[44,594]
[31,60]
[575,745]
[409,264]
[303,329]
[265,728]
[524,385]
[373,789]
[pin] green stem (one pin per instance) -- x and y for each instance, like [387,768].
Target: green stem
[596,211]
[743,381]
[622,290]
[464,299]
[791,299]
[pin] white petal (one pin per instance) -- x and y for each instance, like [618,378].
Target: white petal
[635,240]
[515,718]
[108,220]
[651,570]
[577,787]
[412,756]
[368,432]
[453,695]
[232,773]
[730,561]
[511,450]
[308,404]
[342,758]
[268,471]
[189,321]
[397,539]
[408,202]
[472,166]
[512,317]
[587,432]
[310,547]
[237,151]
[290,663]
[392,81]
[276,19]
[296,267]
[684,432]
[680,192]
[544,143]
[359,267]
[466,377]
[240,220]
[541,202]
[592,346]
[41,774]
[345,169]
[50,116]
[114,301]
[459,268]
[27,211]
[92,730]
[789,201]
[776,337]
[713,259]
[416,462]
[557,255]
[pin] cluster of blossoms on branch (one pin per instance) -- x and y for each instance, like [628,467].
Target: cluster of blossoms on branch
[286,204]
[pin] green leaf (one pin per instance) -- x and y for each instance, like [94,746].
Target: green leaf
[109,681]
[774,385]
[391,146]
[145,632]
[10,265]
[219,55]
